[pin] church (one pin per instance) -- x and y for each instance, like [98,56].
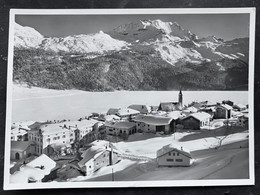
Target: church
[172,106]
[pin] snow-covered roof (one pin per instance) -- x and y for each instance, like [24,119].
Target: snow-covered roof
[127,111]
[23,125]
[111,117]
[200,116]
[18,131]
[141,108]
[191,109]
[153,119]
[240,106]
[100,143]
[20,145]
[91,153]
[226,106]
[174,114]
[36,170]
[66,126]
[112,111]
[173,147]
[121,124]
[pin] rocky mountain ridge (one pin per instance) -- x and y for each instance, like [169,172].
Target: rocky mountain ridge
[146,55]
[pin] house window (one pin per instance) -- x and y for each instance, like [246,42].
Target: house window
[178,153]
[169,160]
[89,166]
[64,136]
[169,154]
[179,160]
[58,137]
[173,153]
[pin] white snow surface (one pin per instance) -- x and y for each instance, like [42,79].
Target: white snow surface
[32,170]
[164,26]
[146,145]
[97,43]
[26,36]
[172,53]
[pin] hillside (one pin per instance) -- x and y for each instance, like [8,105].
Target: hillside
[147,55]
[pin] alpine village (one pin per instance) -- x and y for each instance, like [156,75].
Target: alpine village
[62,150]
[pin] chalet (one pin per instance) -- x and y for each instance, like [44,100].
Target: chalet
[34,171]
[120,128]
[223,111]
[22,149]
[239,107]
[153,123]
[173,155]
[95,158]
[143,109]
[196,120]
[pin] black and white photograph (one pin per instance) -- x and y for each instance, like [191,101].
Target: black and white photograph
[130,98]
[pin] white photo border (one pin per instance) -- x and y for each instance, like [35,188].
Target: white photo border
[122,184]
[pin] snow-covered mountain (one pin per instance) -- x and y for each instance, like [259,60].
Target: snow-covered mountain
[145,55]
[26,37]
[174,44]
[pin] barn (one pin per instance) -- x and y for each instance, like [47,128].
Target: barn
[173,155]
[196,120]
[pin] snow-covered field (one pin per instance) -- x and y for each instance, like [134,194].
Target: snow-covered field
[37,104]
[222,163]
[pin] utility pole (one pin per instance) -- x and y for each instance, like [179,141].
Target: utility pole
[113,179]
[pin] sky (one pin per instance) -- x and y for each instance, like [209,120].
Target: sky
[226,26]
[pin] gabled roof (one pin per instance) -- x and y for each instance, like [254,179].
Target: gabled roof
[21,145]
[112,111]
[225,106]
[141,108]
[199,116]
[153,119]
[174,114]
[121,125]
[91,153]
[42,160]
[240,106]
[33,170]
[126,112]
[173,147]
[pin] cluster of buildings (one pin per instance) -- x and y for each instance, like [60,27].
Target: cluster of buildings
[64,137]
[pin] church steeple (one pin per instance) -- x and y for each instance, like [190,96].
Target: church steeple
[180,98]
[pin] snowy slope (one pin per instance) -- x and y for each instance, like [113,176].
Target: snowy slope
[98,43]
[174,44]
[26,36]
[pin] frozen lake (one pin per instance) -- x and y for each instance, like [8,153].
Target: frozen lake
[37,104]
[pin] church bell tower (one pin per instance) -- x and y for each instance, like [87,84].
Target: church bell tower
[180,98]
